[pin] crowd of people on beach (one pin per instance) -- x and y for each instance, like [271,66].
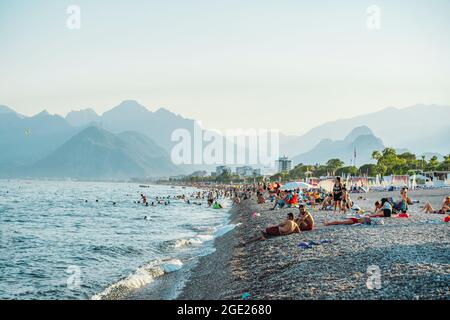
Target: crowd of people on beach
[338,201]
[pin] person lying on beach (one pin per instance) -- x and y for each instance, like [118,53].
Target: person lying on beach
[305,220]
[285,228]
[444,209]
[349,221]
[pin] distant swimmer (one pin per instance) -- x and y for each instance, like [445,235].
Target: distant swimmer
[114,203]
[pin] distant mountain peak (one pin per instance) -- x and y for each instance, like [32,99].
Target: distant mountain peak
[163,110]
[358,131]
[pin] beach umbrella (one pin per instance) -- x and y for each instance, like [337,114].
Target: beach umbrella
[296,185]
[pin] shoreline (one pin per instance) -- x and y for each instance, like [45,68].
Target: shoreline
[412,256]
[212,273]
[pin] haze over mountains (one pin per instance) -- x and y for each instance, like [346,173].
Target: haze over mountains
[419,128]
[361,140]
[129,140]
[95,152]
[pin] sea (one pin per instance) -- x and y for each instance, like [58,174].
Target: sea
[94,240]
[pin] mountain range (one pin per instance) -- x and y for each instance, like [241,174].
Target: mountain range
[97,153]
[419,128]
[129,140]
[361,139]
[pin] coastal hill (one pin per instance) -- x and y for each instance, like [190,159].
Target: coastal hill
[130,115]
[362,139]
[25,140]
[419,128]
[95,153]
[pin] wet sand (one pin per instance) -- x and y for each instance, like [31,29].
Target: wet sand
[412,255]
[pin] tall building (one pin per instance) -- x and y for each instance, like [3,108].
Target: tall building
[284,164]
[222,169]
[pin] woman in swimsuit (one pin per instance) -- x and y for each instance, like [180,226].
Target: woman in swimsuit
[337,193]
[445,207]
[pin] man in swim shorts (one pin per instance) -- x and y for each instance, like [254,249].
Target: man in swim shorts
[305,220]
[285,228]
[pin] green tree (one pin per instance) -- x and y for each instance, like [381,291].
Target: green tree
[349,170]
[369,170]
[334,164]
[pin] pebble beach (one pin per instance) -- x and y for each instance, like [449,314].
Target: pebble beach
[403,259]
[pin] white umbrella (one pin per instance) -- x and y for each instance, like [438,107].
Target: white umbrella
[296,185]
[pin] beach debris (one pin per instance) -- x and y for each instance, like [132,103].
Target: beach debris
[305,245]
[245,296]
[447,219]
[403,215]
[311,243]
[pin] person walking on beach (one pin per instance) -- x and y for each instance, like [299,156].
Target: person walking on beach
[305,220]
[337,193]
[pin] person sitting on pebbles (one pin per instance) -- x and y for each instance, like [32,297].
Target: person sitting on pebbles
[285,228]
[444,209]
[305,220]
[383,208]
[261,199]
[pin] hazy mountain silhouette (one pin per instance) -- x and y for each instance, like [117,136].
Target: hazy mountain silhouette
[24,140]
[361,139]
[419,128]
[130,115]
[82,117]
[95,153]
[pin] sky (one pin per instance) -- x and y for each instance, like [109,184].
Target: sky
[290,65]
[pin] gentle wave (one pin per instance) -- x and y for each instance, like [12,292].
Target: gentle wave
[141,277]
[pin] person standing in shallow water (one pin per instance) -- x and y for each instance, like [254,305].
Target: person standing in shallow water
[337,194]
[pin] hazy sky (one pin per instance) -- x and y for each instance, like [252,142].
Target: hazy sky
[261,64]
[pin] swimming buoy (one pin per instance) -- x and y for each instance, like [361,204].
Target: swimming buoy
[447,219]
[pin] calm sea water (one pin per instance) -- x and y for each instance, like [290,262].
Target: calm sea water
[55,245]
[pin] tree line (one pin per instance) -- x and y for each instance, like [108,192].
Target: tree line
[388,162]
